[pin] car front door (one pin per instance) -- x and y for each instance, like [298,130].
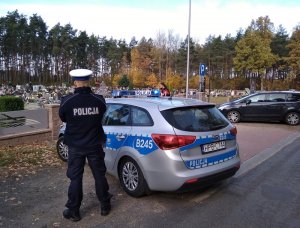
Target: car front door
[254,107]
[117,127]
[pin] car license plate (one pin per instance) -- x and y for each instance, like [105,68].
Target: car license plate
[207,148]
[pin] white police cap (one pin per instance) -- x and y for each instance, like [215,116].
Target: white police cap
[81,74]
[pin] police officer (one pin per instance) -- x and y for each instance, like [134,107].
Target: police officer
[82,112]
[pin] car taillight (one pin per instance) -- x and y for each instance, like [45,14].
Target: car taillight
[233,131]
[168,142]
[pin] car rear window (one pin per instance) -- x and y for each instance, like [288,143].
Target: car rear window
[196,119]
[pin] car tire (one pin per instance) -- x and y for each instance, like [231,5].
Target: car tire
[234,116]
[132,179]
[62,149]
[292,118]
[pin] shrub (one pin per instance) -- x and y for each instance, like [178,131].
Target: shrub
[10,103]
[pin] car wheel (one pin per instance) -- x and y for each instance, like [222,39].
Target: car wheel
[62,149]
[233,116]
[292,118]
[132,179]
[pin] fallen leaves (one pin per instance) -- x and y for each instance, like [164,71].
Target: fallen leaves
[24,160]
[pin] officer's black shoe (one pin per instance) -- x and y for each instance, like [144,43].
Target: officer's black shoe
[105,210]
[71,215]
[106,206]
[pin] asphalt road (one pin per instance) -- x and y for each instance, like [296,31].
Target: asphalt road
[264,193]
[268,196]
[253,138]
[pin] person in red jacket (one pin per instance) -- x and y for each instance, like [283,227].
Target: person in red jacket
[164,91]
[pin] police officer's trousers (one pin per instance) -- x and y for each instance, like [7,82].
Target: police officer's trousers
[76,162]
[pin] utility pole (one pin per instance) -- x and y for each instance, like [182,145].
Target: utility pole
[188,53]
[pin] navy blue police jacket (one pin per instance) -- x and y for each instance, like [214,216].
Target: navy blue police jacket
[83,112]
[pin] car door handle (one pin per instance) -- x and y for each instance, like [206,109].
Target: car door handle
[120,137]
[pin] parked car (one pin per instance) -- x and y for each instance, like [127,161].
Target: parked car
[265,106]
[61,148]
[166,144]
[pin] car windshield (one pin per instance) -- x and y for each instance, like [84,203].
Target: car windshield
[195,119]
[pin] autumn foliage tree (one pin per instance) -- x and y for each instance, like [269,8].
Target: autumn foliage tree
[29,52]
[194,82]
[294,58]
[151,81]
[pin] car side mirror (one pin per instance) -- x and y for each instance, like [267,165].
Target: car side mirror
[248,102]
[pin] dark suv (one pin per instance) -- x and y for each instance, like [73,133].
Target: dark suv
[265,106]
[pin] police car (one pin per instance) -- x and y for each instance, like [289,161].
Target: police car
[166,144]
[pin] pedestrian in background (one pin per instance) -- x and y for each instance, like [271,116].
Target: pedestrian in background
[82,112]
[164,91]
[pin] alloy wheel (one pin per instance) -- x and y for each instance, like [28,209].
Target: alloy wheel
[130,176]
[233,116]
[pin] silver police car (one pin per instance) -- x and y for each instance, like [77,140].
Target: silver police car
[166,144]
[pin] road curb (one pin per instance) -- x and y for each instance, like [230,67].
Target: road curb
[266,154]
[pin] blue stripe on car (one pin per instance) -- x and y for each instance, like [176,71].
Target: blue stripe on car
[209,161]
[144,144]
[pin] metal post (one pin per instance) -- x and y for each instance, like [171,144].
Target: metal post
[188,53]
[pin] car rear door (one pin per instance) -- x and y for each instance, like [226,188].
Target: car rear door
[276,106]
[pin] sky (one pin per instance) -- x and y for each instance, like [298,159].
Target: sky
[124,19]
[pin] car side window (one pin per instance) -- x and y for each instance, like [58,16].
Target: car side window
[276,97]
[258,98]
[293,97]
[116,115]
[140,117]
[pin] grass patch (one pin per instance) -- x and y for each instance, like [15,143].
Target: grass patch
[218,100]
[221,100]
[5,159]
